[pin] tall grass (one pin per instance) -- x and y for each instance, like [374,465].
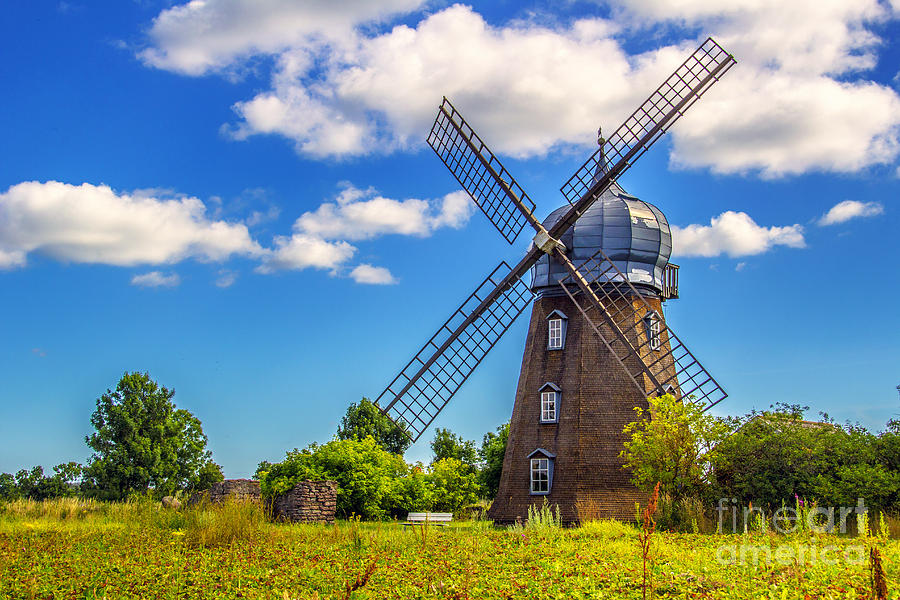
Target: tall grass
[609,529]
[543,520]
[223,523]
[202,525]
[136,509]
[685,515]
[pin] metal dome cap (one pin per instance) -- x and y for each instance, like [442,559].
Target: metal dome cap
[633,233]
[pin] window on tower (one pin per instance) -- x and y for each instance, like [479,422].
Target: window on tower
[549,403]
[652,326]
[556,330]
[541,471]
[540,475]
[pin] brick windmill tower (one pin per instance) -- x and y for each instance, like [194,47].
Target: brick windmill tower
[598,344]
[574,397]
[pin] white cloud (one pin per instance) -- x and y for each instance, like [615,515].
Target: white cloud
[740,266]
[321,237]
[780,124]
[10,259]
[156,279]
[850,209]
[226,278]
[208,35]
[797,101]
[364,214]
[374,275]
[523,86]
[735,234]
[258,217]
[94,224]
[301,251]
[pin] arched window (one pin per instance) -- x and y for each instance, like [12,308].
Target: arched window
[550,396]
[652,327]
[556,330]
[541,471]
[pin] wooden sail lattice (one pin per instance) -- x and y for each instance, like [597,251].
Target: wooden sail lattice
[654,117]
[616,311]
[422,389]
[480,173]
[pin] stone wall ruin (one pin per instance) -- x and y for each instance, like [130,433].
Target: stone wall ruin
[307,502]
[241,490]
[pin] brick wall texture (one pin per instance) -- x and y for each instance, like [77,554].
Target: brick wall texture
[596,402]
[307,502]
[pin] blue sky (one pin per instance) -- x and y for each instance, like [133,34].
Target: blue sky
[235,196]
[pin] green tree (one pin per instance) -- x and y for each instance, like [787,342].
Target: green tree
[414,492]
[454,485]
[29,482]
[143,442]
[364,419]
[491,453]
[447,444]
[8,488]
[208,474]
[261,469]
[36,485]
[673,443]
[777,455]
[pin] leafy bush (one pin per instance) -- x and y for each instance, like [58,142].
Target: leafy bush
[373,483]
[672,443]
[366,475]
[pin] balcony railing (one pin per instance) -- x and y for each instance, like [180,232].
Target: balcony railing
[670,282]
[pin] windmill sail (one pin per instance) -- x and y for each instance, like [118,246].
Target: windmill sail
[437,371]
[652,118]
[618,313]
[480,173]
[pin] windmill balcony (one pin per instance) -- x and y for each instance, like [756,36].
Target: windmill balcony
[670,282]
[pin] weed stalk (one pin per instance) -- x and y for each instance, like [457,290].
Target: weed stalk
[876,569]
[646,537]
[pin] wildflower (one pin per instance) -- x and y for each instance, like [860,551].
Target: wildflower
[178,532]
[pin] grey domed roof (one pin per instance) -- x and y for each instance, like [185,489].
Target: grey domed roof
[633,233]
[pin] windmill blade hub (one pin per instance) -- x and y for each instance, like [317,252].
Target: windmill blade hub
[547,243]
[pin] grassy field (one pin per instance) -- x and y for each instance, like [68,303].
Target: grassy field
[69,549]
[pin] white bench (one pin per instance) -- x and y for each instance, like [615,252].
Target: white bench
[421,518]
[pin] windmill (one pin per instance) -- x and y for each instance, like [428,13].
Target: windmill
[598,344]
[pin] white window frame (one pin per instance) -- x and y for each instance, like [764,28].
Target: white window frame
[549,406]
[652,325]
[540,475]
[555,332]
